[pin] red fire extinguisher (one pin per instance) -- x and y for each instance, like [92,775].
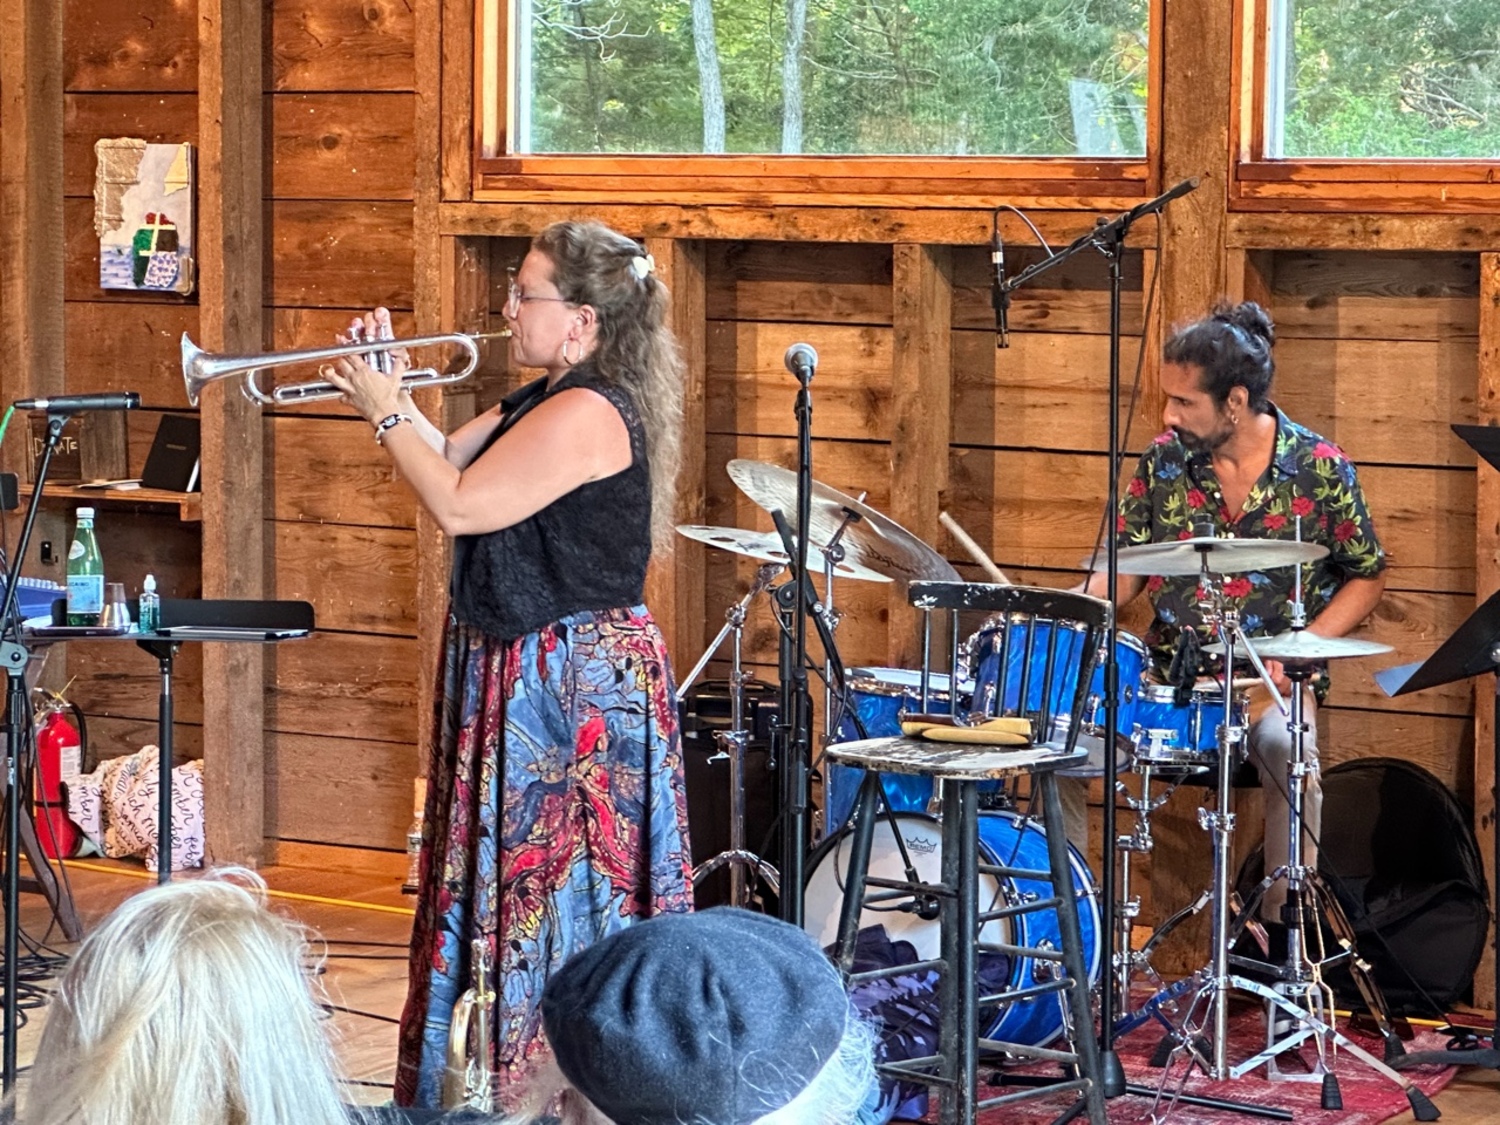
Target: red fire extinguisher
[59,755]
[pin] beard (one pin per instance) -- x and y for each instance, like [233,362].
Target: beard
[1204,443]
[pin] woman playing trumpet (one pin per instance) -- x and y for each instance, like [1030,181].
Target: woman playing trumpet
[556,810]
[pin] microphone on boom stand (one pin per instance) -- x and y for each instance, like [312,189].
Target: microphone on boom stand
[999,295]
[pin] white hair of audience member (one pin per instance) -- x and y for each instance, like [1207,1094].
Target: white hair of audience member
[192,1004]
[833,1097]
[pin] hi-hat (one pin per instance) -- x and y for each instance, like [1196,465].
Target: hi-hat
[875,541]
[767,546]
[1225,556]
[1300,646]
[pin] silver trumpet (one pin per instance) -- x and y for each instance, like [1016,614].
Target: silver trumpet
[467,1079]
[200,368]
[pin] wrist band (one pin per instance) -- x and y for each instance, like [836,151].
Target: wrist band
[389,422]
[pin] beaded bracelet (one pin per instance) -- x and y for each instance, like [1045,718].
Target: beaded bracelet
[389,422]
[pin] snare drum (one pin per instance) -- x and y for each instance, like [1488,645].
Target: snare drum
[1186,739]
[1025,643]
[1004,838]
[879,696]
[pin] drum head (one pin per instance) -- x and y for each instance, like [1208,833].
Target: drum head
[901,682]
[923,837]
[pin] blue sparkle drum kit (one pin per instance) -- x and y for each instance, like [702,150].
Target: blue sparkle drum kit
[1161,733]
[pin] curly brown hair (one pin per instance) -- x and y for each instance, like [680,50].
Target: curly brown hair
[596,266]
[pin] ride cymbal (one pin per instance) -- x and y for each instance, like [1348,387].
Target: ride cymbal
[1225,556]
[1302,646]
[873,540]
[766,546]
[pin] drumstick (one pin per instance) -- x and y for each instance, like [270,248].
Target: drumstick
[974,549]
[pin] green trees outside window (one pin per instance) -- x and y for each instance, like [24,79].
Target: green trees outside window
[1371,79]
[839,77]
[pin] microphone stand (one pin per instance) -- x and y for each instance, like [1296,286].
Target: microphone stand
[14,656]
[796,700]
[1108,237]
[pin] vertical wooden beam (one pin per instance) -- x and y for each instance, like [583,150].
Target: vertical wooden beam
[921,422]
[460,99]
[460,295]
[1197,78]
[675,584]
[1249,276]
[1198,57]
[231,284]
[1486,581]
[31,201]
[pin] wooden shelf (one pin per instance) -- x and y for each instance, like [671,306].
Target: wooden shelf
[189,505]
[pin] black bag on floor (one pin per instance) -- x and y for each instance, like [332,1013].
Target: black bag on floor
[1399,852]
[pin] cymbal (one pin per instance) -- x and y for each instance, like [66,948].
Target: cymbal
[1299,646]
[766,546]
[873,540]
[1225,556]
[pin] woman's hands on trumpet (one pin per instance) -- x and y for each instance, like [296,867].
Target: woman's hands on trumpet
[374,394]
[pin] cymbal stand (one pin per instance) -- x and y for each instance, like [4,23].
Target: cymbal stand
[1208,1010]
[732,744]
[833,554]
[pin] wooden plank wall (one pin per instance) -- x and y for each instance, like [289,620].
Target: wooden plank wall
[1378,350]
[339,106]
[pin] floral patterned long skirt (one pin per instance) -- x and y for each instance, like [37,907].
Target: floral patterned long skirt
[556,815]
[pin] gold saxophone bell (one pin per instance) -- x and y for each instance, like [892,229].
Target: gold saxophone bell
[468,1080]
[199,368]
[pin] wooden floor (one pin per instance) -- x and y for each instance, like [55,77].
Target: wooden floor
[355,902]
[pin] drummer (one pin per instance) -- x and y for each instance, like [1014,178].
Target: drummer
[1230,459]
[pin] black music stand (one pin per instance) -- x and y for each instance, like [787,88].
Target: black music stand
[197,620]
[1472,650]
[206,619]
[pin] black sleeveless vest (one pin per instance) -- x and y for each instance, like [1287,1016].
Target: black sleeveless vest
[587,550]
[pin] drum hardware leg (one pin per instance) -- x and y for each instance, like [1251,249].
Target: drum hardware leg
[731,745]
[1313,1018]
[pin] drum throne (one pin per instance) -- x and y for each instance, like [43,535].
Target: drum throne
[957,766]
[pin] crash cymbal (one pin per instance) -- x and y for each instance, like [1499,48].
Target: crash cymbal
[1225,556]
[766,546]
[1301,646]
[873,540]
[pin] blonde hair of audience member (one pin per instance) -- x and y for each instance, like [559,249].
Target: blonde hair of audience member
[834,1096]
[191,1004]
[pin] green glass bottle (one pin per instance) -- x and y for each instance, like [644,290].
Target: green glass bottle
[85,573]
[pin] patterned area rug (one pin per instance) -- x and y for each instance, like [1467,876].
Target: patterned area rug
[1368,1096]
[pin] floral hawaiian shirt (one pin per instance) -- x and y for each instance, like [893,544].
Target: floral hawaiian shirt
[1173,489]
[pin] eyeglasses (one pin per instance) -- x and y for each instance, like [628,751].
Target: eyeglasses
[515,298]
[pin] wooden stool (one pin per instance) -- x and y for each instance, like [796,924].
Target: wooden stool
[956,771]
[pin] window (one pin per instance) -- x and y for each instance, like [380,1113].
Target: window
[762,93]
[831,77]
[1368,105]
[1372,79]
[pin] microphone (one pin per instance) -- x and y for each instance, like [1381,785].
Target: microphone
[78,404]
[801,360]
[999,297]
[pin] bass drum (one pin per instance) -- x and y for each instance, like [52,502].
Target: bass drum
[1004,838]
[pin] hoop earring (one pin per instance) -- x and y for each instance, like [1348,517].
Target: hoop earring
[571,362]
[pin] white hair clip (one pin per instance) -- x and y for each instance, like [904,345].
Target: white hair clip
[642,266]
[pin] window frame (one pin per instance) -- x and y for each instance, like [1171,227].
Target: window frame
[774,179]
[1259,182]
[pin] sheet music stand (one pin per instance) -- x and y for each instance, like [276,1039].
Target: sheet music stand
[198,620]
[1472,650]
